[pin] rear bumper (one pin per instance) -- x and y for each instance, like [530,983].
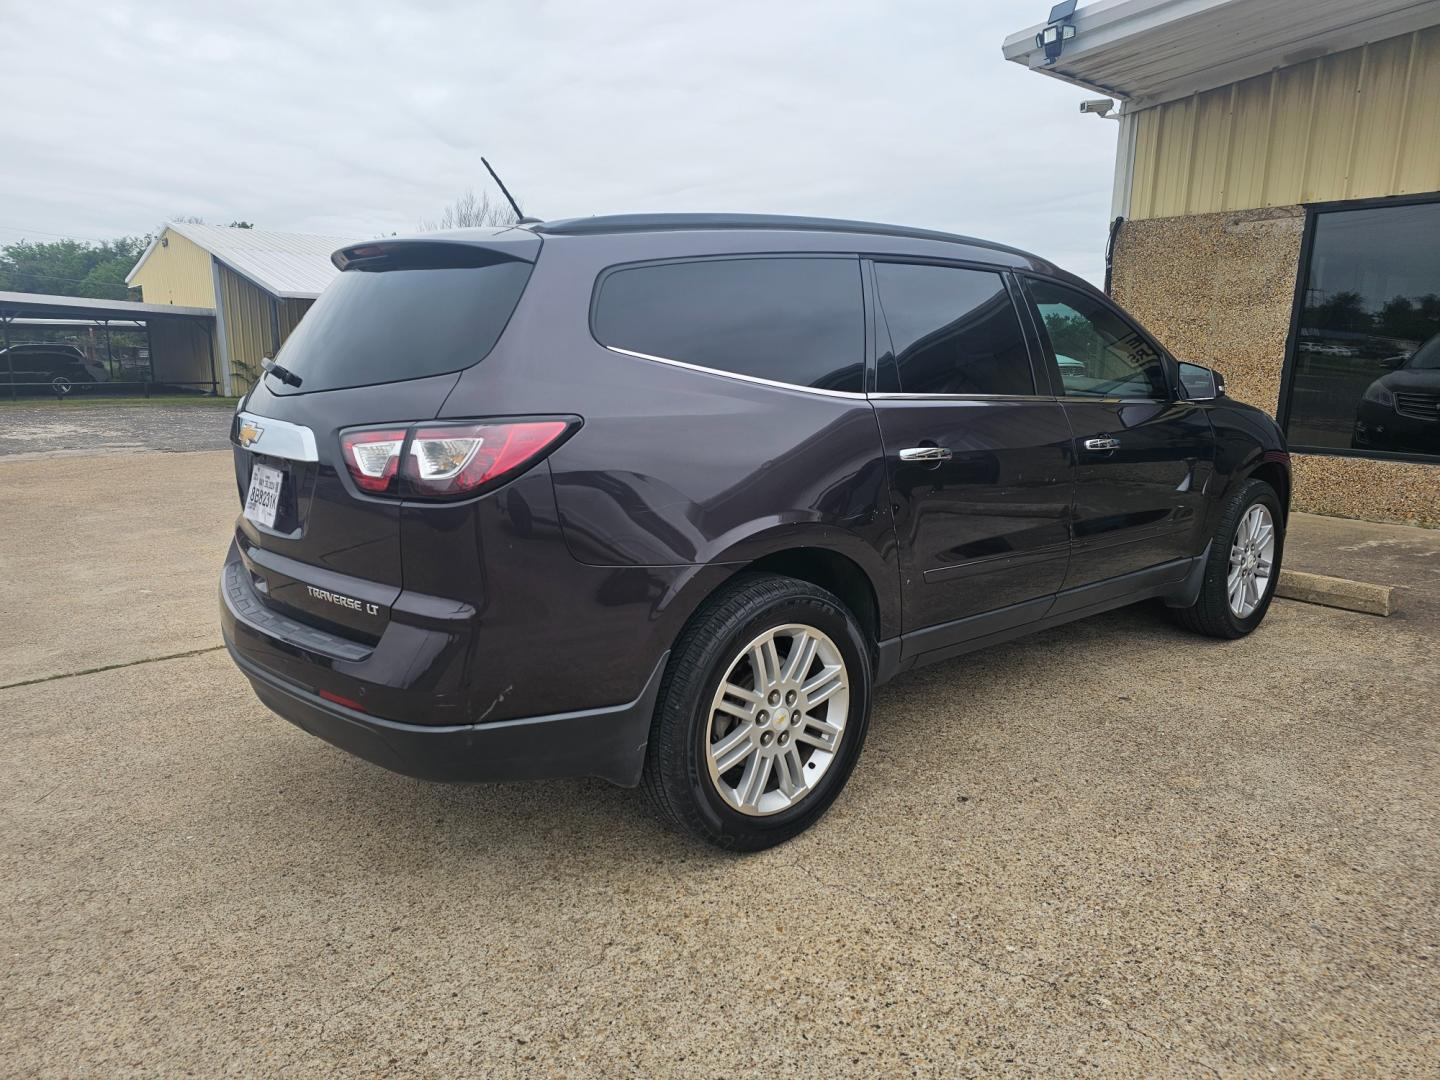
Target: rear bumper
[607,743]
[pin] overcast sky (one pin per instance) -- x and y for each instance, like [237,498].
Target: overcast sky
[356,119]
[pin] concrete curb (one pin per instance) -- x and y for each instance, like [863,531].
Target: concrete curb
[1336,592]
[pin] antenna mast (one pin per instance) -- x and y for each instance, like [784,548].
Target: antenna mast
[519,214]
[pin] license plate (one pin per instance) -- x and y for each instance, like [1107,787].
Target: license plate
[263,499]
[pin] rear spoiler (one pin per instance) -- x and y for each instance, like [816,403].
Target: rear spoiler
[470,247]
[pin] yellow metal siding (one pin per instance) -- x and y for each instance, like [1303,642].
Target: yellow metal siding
[176,273]
[1356,124]
[246,315]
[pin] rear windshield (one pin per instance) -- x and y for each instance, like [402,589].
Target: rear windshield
[384,326]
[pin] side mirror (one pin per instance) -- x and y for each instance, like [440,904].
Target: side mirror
[1201,383]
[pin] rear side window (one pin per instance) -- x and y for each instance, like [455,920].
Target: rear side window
[378,326]
[952,331]
[794,320]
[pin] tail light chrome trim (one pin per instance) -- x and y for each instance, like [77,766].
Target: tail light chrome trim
[273,438]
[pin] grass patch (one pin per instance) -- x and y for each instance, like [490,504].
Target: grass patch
[87,401]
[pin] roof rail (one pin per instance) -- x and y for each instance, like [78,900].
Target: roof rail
[618,223]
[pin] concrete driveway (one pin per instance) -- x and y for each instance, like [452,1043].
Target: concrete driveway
[1111,849]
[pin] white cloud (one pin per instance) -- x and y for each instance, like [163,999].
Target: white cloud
[369,117]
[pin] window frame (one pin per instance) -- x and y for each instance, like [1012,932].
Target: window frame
[1292,338]
[1038,376]
[1047,348]
[863,298]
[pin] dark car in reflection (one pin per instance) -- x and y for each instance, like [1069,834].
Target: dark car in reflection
[1400,411]
[662,499]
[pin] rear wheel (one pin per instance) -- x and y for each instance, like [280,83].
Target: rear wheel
[762,714]
[1243,566]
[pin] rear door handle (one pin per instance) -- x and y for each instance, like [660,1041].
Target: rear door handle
[1102,444]
[925,453]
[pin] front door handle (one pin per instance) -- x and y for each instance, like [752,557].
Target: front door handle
[925,454]
[1102,444]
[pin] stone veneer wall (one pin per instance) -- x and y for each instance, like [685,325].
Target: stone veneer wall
[1217,289]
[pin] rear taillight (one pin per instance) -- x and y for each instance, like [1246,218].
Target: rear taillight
[373,458]
[457,459]
[448,461]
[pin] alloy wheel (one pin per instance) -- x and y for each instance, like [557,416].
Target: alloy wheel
[777,719]
[1252,560]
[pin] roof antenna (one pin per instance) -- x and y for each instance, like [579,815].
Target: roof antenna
[520,217]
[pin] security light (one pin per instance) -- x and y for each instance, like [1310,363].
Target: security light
[1052,39]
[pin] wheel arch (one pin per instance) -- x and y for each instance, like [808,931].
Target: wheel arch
[1276,473]
[805,559]
[835,573]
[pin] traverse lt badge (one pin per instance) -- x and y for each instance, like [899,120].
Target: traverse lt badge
[343,601]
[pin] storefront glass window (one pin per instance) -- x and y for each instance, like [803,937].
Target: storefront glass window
[1366,373]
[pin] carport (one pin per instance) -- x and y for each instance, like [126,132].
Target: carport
[180,341]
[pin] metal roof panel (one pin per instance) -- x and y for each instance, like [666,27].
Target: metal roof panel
[1152,51]
[20,303]
[287,265]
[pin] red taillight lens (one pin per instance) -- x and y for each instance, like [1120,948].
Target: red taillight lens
[456,459]
[373,457]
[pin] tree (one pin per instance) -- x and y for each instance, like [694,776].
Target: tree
[71,267]
[1411,319]
[1344,311]
[471,210]
[196,219]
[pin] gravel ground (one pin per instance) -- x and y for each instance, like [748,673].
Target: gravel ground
[36,430]
[1112,849]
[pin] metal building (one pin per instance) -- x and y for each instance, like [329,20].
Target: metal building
[258,282]
[1276,209]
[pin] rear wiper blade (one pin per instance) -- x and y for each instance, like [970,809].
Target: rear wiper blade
[284,374]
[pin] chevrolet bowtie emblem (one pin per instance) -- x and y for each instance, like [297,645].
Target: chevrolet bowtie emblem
[249,434]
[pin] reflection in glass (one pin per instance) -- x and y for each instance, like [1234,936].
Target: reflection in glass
[1367,356]
[1098,353]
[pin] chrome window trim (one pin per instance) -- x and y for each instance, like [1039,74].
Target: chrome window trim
[854,394]
[896,395]
[279,438]
[874,395]
[891,395]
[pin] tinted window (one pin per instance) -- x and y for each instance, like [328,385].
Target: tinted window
[384,326]
[797,321]
[952,331]
[1098,352]
[1367,355]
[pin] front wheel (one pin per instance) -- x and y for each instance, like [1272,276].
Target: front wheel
[762,713]
[1243,566]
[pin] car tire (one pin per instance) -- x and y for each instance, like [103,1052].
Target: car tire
[697,728]
[1214,612]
